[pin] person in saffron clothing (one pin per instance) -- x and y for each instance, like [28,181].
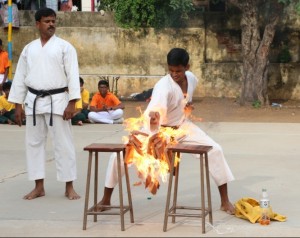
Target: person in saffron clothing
[105,107]
[169,105]
[4,66]
[46,81]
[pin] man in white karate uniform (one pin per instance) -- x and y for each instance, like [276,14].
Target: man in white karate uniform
[46,82]
[171,98]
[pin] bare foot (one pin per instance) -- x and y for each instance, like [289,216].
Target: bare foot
[10,122]
[35,193]
[70,192]
[72,195]
[228,208]
[79,123]
[100,207]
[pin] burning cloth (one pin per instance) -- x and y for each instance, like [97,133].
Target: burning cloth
[148,151]
[149,154]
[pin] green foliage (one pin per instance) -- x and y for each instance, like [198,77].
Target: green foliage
[256,104]
[182,7]
[296,4]
[284,1]
[297,8]
[148,13]
[157,13]
[284,56]
[215,1]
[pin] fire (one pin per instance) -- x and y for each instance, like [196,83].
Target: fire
[152,162]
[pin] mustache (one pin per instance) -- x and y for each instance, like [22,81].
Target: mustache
[51,27]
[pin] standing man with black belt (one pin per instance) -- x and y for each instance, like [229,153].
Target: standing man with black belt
[46,82]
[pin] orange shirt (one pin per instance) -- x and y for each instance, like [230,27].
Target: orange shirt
[4,63]
[110,100]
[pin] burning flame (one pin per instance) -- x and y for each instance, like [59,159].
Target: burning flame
[152,162]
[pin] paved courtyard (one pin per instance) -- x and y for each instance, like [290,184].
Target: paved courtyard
[261,155]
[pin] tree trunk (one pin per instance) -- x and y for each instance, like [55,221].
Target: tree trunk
[255,51]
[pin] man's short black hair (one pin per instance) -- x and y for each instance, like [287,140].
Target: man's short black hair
[6,86]
[44,12]
[178,56]
[81,80]
[103,82]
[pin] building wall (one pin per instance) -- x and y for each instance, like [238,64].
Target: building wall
[134,60]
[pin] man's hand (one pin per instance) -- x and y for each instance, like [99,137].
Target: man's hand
[70,110]
[189,107]
[19,114]
[154,120]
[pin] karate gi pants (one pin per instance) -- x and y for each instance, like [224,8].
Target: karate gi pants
[63,146]
[106,117]
[218,166]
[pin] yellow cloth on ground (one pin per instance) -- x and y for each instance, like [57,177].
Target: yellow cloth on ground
[248,208]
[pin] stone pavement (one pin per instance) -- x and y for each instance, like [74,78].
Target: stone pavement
[261,155]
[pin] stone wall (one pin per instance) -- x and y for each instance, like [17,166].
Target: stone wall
[138,58]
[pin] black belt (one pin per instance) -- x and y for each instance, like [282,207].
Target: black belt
[173,127]
[44,93]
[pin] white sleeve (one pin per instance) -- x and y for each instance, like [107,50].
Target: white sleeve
[158,102]
[18,89]
[72,72]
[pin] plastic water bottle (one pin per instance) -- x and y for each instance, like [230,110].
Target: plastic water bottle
[265,208]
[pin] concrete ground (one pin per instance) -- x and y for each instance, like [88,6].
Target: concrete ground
[261,155]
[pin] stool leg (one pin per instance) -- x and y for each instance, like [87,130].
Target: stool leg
[175,188]
[169,193]
[120,191]
[96,185]
[87,191]
[128,189]
[208,189]
[202,193]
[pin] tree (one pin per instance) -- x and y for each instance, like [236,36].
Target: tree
[258,24]
[259,19]
[149,13]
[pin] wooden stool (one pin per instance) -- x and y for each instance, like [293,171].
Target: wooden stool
[95,148]
[190,149]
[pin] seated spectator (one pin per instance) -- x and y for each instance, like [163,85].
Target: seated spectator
[105,107]
[78,117]
[7,109]
[81,106]
[4,66]
[85,96]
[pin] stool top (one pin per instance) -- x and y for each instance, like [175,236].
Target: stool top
[192,149]
[99,147]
